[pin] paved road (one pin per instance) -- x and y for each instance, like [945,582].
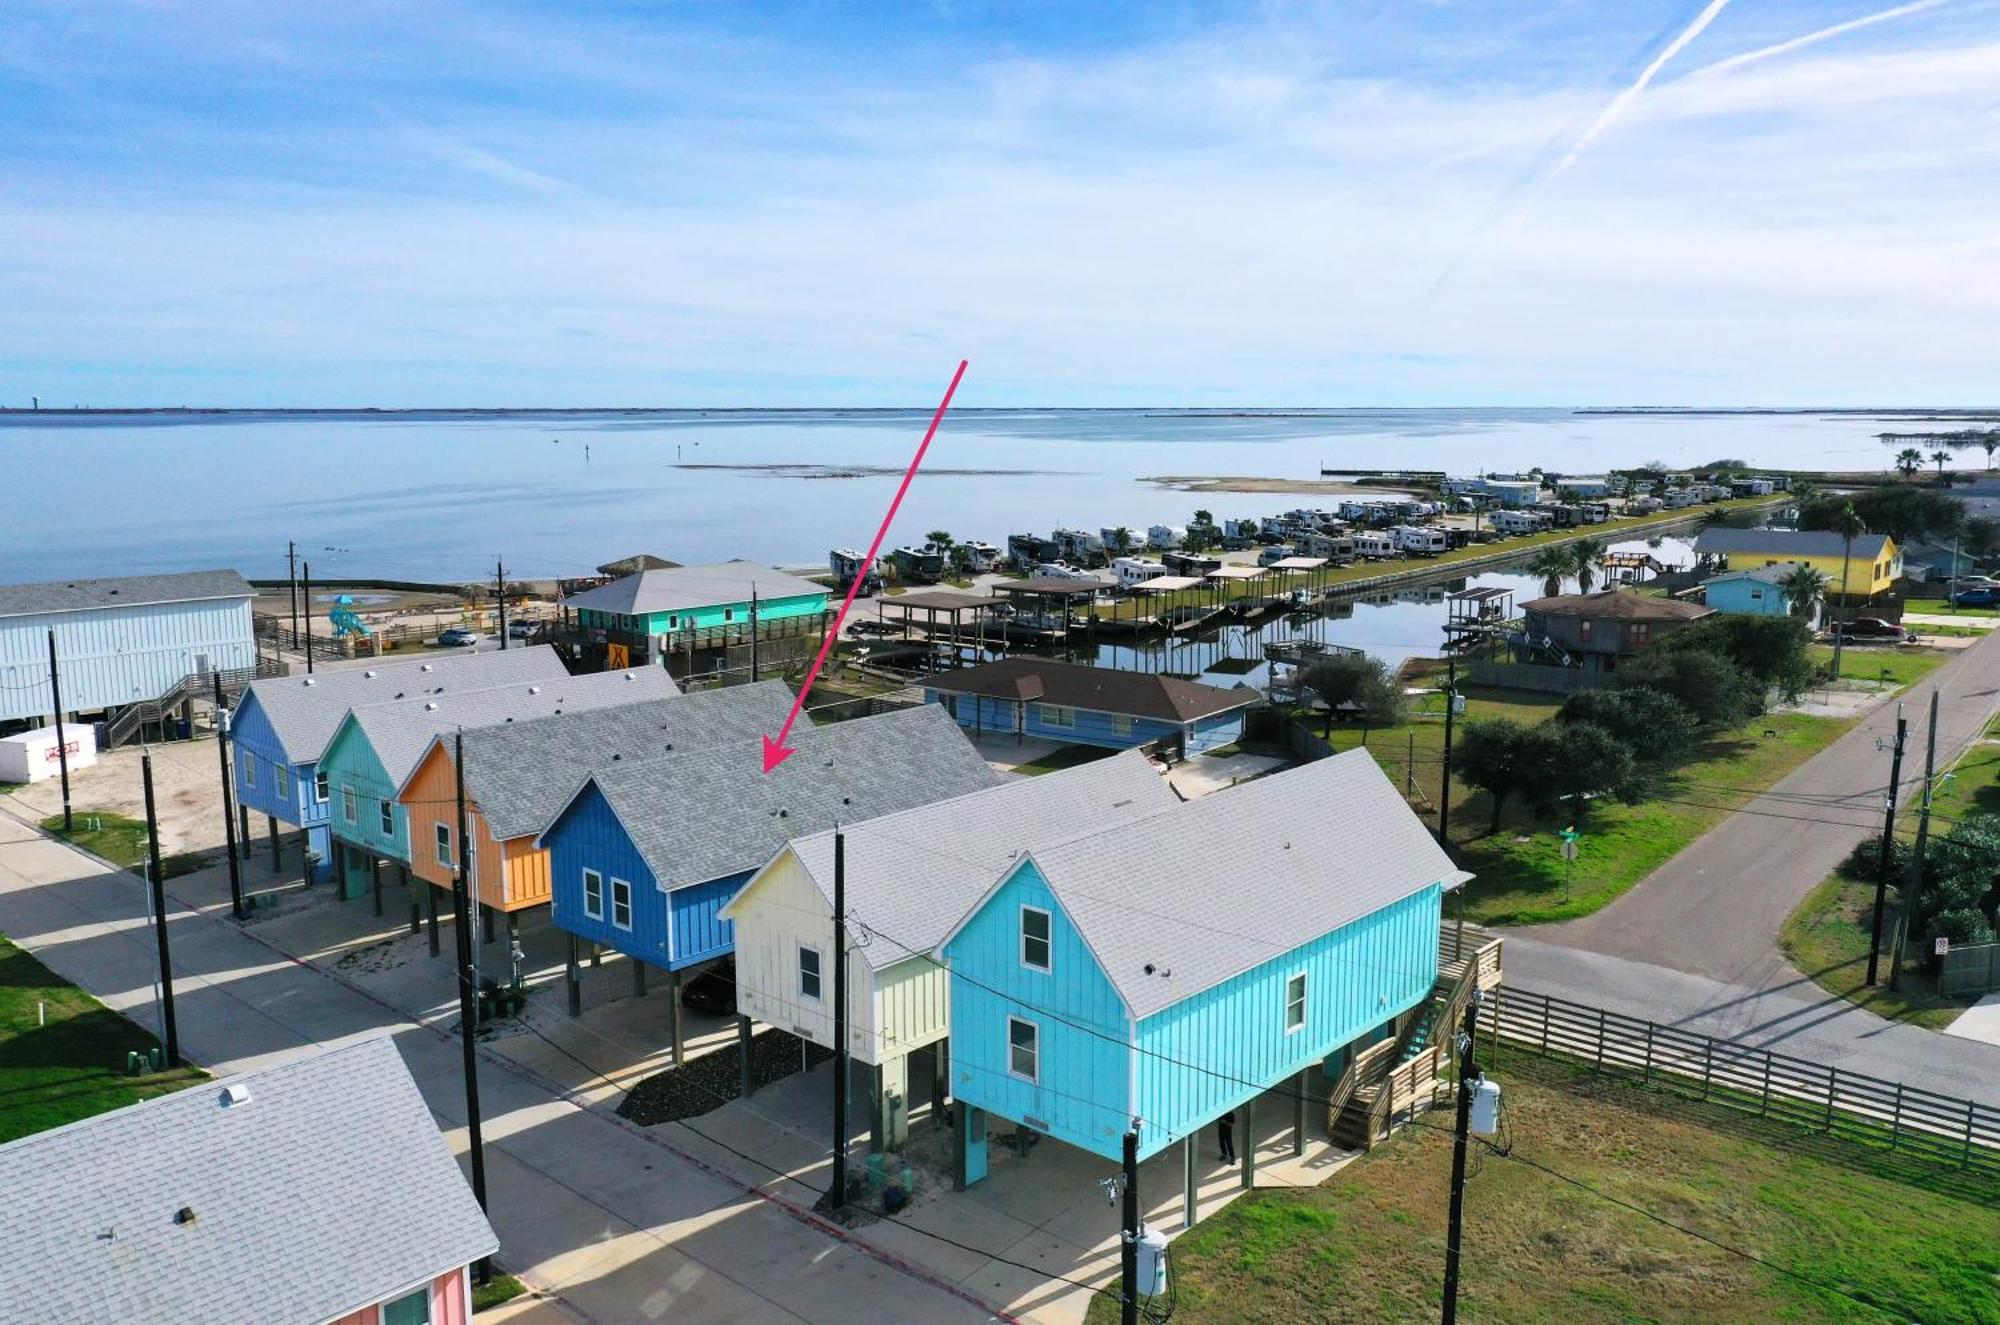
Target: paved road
[586,1205]
[1695,943]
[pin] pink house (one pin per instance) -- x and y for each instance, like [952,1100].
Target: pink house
[318,1191]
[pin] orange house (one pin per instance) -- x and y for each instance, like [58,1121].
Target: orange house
[519,775]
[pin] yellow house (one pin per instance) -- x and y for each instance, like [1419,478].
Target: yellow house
[1872,563]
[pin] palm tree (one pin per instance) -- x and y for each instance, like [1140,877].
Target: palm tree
[1805,588]
[1909,460]
[1553,564]
[1121,541]
[1585,555]
[943,539]
[1940,456]
[1847,523]
[1991,441]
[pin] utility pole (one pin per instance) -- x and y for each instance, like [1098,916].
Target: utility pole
[1444,787]
[1468,1072]
[1915,884]
[1128,1239]
[500,596]
[159,887]
[838,1194]
[468,1000]
[292,575]
[62,737]
[305,593]
[753,632]
[228,799]
[1888,843]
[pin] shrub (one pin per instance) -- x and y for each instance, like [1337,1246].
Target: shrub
[1576,760]
[1773,650]
[1711,687]
[1865,861]
[1492,755]
[1654,726]
[1962,925]
[1360,680]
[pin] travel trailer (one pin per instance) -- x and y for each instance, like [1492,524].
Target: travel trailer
[1081,547]
[1026,551]
[1190,563]
[1240,531]
[845,563]
[1373,546]
[1161,537]
[919,565]
[1420,539]
[1061,570]
[1131,571]
[1334,547]
[980,557]
[1514,522]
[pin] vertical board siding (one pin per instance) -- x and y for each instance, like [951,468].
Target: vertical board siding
[1198,1054]
[778,911]
[588,835]
[350,762]
[1213,733]
[913,1004]
[527,871]
[1083,1096]
[983,713]
[735,613]
[448,1299]
[430,799]
[118,655]
[256,751]
[699,933]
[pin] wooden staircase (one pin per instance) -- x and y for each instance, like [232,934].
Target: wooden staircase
[1395,1078]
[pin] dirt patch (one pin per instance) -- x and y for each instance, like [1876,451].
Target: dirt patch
[1253,483]
[710,1081]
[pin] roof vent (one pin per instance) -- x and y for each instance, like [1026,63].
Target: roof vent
[232,1095]
[424,667]
[629,676]
[369,673]
[534,690]
[310,681]
[184,1215]
[616,758]
[430,706]
[401,693]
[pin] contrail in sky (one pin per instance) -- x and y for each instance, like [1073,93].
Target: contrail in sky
[1618,104]
[1811,38]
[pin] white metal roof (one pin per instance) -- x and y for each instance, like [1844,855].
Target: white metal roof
[1168,583]
[1237,573]
[1298,563]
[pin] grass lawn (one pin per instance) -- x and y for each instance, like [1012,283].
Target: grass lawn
[1068,756]
[1827,936]
[1896,665]
[120,840]
[1368,1245]
[74,1065]
[500,1288]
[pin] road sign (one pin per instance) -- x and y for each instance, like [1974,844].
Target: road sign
[1569,848]
[1943,946]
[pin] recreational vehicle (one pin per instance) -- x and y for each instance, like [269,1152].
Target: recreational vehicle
[1241,531]
[1372,546]
[1131,571]
[919,565]
[1026,551]
[1164,536]
[1190,563]
[845,563]
[1080,546]
[1514,522]
[1333,547]
[980,557]
[1061,570]
[1420,539]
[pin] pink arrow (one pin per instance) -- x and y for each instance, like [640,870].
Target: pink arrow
[776,751]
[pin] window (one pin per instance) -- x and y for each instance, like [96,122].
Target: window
[809,973]
[1055,715]
[1583,630]
[281,781]
[1035,938]
[728,614]
[1641,632]
[319,788]
[593,894]
[412,1310]
[621,904]
[444,845]
[1121,724]
[1295,1003]
[249,770]
[347,810]
[1024,1049]
[388,809]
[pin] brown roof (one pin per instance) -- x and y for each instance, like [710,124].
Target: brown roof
[1054,586]
[1618,605]
[942,600]
[1100,689]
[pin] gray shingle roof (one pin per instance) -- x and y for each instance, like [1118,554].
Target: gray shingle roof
[305,711]
[703,815]
[401,732]
[124,591]
[1787,543]
[912,874]
[692,586]
[1617,605]
[1214,887]
[522,773]
[1762,574]
[329,1189]
[1099,689]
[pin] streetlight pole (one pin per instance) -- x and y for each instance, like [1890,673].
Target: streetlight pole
[158,884]
[62,737]
[228,798]
[1888,844]
[468,999]
[1915,882]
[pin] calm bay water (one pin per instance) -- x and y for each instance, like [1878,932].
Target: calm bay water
[438,495]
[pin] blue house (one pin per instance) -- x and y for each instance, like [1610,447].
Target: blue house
[119,641]
[1175,968]
[643,856]
[1025,696]
[282,724]
[1757,592]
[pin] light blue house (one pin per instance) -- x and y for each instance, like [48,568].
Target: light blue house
[119,641]
[643,856]
[376,748]
[1026,696]
[1757,592]
[1175,968]
[282,724]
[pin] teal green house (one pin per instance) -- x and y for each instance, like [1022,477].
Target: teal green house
[671,601]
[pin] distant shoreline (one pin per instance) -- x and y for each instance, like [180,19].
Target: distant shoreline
[1907,413]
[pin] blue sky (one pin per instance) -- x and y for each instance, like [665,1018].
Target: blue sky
[1379,202]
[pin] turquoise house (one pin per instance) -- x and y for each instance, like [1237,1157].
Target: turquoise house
[670,601]
[378,746]
[1024,696]
[1159,974]
[1758,592]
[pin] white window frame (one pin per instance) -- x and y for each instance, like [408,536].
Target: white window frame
[1304,986]
[1058,715]
[441,837]
[594,911]
[620,889]
[818,973]
[350,805]
[1034,1050]
[386,817]
[1121,724]
[321,788]
[249,770]
[281,781]
[1048,939]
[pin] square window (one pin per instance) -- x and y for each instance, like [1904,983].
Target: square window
[593,894]
[347,806]
[1024,1049]
[388,817]
[621,904]
[319,788]
[809,981]
[444,845]
[1121,724]
[1295,1003]
[1055,715]
[414,1309]
[1035,938]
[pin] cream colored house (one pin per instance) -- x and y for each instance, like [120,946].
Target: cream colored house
[910,877]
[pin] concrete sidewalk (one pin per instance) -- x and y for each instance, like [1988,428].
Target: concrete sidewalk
[616,1221]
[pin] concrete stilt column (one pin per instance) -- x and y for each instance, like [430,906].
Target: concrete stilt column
[1190,1188]
[1246,1141]
[638,978]
[1299,1113]
[940,1076]
[416,906]
[596,953]
[243,843]
[970,1150]
[431,904]
[485,925]
[277,864]
[877,1141]
[375,881]
[744,1084]
[573,978]
[674,1016]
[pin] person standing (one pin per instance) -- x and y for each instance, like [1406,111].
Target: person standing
[1225,1135]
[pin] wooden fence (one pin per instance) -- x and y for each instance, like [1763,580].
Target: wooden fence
[1943,1128]
[1541,677]
[1970,970]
